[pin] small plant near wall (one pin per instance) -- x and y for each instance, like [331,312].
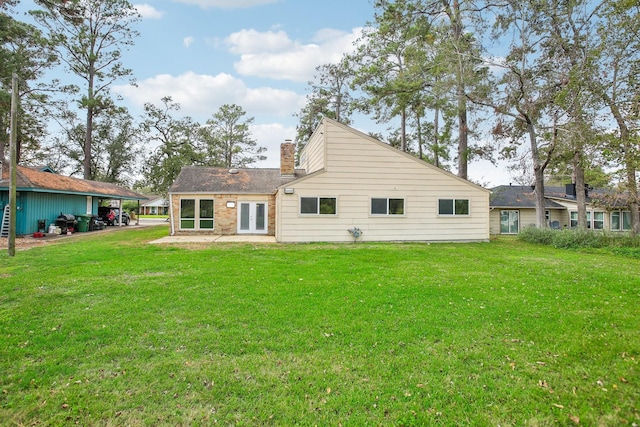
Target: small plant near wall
[356,233]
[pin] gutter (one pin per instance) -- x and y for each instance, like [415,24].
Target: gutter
[172,231]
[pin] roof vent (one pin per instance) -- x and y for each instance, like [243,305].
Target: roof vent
[233,171]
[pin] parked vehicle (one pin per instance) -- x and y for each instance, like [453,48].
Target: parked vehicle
[110,216]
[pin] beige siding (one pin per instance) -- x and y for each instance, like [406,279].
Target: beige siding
[528,216]
[357,169]
[312,158]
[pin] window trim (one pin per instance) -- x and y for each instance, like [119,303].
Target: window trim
[621,220]
[573,223]
[388,201]
[196,214]
[317,212]
[594,220]
[509,213]
[454,214]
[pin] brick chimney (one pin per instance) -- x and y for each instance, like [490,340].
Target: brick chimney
[287,158]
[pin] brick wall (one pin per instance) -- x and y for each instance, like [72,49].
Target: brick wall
[225,218]
[287,159]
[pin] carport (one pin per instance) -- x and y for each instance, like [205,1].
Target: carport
[43,195]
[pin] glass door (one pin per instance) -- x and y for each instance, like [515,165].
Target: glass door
[509,222]
[252,218]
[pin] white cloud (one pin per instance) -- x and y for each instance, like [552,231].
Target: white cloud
[253,42]
[188,41]
[148,11]
[200,95]
[271,136]
[274,55]
[227,4]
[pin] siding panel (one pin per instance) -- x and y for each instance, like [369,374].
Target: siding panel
[357,169]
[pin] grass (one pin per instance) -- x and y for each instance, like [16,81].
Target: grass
[108,330]
[153,216]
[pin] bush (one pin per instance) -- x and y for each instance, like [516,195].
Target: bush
[578,238]
[541,236]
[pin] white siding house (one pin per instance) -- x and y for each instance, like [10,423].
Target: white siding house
[357,181]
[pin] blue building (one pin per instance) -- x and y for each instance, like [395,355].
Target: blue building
[42,195]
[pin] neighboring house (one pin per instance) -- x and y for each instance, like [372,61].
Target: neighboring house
[513,208]
[43,195]
[156,205]
[346,179]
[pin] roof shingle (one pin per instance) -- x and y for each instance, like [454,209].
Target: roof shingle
[198,179]
[35,180]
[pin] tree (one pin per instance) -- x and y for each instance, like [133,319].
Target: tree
[310,116]
[461,53]
[228,141]
[174,144]
[526,88]
[91,35]
[330,97]
[117,146]
[385,72]
[567,48]
[24,52]
[617,84]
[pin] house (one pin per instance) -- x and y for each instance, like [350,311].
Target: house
[42,195]
[513,207]
[155,205]
[345,179]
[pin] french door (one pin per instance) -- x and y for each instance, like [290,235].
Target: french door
[252,218]
[509,222]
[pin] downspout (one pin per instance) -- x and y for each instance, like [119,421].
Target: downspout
[171,226]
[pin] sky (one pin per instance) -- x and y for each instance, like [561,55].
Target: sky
[258,54]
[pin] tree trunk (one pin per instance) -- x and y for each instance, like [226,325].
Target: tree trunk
[632,188]
[403,130]
[463,127]
[463,137]
[538,172]
[420,153]
[436,138]
[87,143]
[581,198]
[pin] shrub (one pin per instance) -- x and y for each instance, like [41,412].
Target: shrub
[579,238]
[541,236]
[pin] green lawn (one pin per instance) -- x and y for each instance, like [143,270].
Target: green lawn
[108,330]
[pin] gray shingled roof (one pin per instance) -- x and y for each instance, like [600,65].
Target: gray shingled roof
[522,196]
[517,196]
[199,179]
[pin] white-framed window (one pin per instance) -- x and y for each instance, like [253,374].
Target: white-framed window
[453,207]
[318,205]
[598,220]
[620,221]
[595,220]
[196,214]
[387,206]
[206,214]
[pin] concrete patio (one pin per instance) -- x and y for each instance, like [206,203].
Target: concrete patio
[248,238]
